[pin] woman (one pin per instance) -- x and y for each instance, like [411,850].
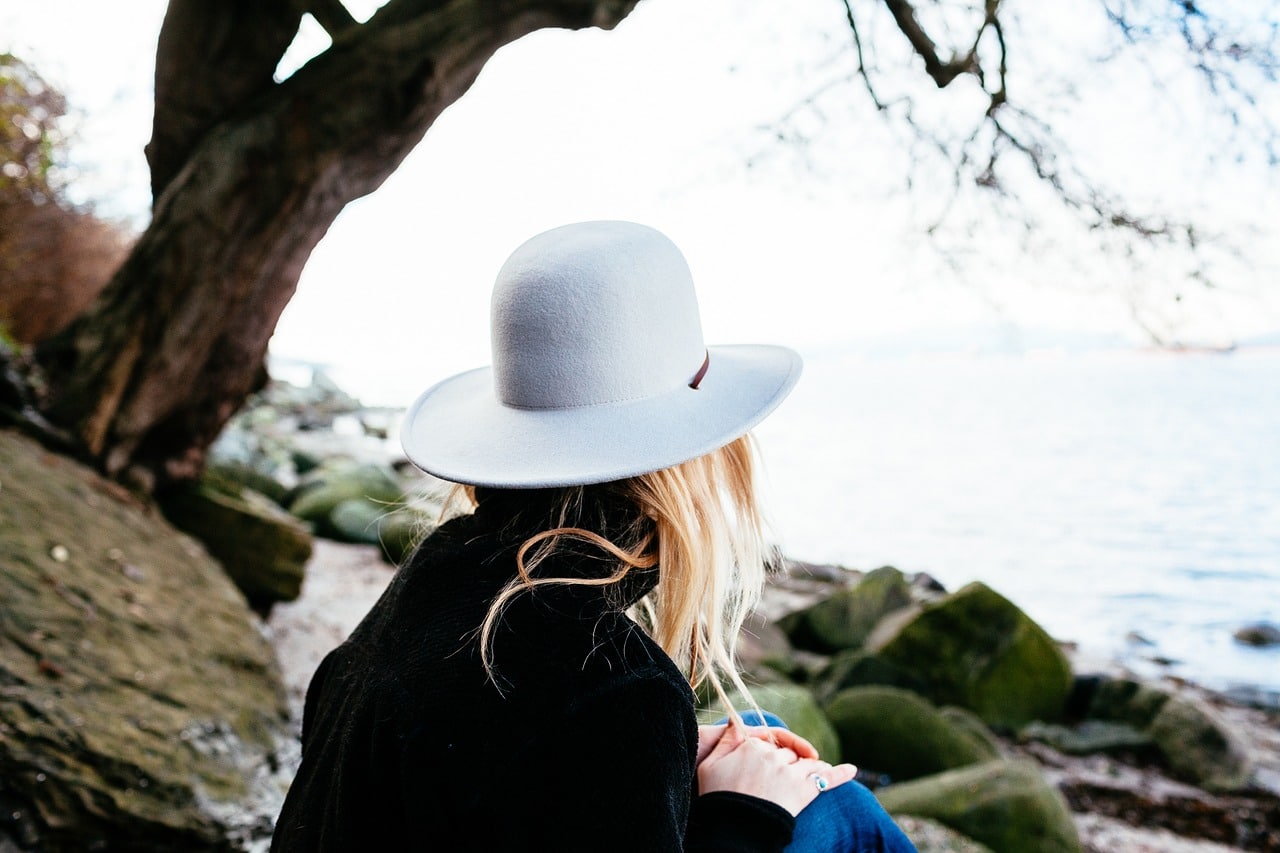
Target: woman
[525,683]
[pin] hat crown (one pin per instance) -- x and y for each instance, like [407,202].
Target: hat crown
[594,313]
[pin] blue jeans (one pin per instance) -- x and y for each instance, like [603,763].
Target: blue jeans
[846,819]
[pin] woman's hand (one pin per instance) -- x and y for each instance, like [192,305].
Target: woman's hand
[709,736]
[749,764]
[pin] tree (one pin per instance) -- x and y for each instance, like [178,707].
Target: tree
[247,175]
[249,172]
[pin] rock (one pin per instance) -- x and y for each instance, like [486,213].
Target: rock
[797,708]
[141,705]
[1090,737]
[1007,805]
[895,732]
[762,644]
[1124,700]
[929,836]
[858,668]
[339,480]
[1200,746]
[976,649]
[263,549]
[357,520]
[971,725]
[400,532]
[1261,635]
[844,619]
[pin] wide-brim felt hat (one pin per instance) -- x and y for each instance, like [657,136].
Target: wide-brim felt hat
[599,370]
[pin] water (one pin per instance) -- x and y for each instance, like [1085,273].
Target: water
[1129,501]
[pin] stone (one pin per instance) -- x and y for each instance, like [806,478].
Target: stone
[1200,746]
[141,705]
[1124,700]
[1260,635]
[929,836]
[339,480]
[1007,805]
[263,549]
[401,531]
[976,649]
[896,733]
[1089,737]
[859,668]
[844,619]
[797,708]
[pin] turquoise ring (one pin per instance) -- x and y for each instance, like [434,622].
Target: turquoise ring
[818,782]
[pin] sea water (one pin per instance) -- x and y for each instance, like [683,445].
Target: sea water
[1128,500]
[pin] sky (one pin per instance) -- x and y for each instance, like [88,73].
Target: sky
[669,120]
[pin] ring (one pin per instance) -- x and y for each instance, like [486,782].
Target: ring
[818,781]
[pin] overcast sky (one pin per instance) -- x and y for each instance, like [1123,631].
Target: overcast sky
[660,121]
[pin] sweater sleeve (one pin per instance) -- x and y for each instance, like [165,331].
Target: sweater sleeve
[616,772]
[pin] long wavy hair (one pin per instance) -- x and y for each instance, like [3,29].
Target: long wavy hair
[699,523]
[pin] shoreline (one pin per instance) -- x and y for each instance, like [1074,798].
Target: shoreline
[344,580]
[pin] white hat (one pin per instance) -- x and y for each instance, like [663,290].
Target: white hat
[599,370]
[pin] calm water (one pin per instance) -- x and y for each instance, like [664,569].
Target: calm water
[1129,501]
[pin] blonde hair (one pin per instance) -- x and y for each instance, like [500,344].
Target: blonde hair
[700,524]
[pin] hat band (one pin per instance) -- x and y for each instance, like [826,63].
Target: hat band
[702,371]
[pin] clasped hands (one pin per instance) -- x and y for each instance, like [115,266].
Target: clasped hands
[771,763]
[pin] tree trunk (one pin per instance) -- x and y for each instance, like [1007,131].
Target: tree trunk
[148,377]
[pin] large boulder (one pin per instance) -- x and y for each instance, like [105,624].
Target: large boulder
[859,668]
[929,836]
[1199,746]
[844,619]
[263,548]
[976,649]
[1007,805]
[1193,740]
[896,733]
[797,708]
[336,483]
[140,704]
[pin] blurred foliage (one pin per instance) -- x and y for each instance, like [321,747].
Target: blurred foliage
[54,257]
[31,141]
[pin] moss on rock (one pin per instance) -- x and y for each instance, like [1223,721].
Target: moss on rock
[844,619]
[976,649]
[897,733]
[141,707]
[1007,805]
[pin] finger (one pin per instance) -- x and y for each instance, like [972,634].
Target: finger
[795,743]
[839,774]
[708,737]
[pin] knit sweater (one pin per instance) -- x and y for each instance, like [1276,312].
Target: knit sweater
[587,740]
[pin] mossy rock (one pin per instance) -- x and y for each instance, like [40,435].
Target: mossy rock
[263,549]
[1089,737]
[976,649]
[971,726]
[142,707]
[797,708]
[338,481]
[844,619]
[1007,805]
[859,668]
[1124,700]
[401,531]
[898,734]
[1199,746]
[929,836]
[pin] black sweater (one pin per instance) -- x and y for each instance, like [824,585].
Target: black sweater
[589,744]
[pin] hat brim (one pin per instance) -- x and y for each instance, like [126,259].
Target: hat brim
[459,431]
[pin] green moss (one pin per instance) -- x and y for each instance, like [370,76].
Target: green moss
[122,643]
